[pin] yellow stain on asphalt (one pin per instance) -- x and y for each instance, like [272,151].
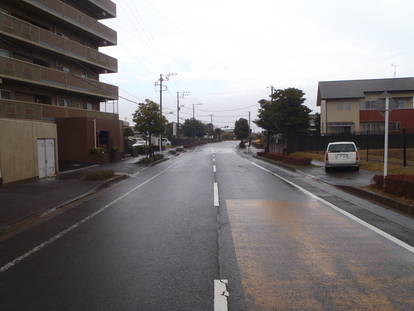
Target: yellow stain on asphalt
[301,255]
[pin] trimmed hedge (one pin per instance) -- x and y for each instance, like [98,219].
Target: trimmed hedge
[287,159]
[401,185]
[99,175]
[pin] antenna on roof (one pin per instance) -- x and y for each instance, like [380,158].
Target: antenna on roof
[395,70]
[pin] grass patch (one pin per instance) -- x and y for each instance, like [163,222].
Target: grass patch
[99,175]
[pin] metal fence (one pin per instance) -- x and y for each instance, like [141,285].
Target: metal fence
[364,141]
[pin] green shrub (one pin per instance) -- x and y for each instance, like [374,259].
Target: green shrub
[146,160]
[158,156]
[99,175]
[98,150]
[143,149]
[172,151]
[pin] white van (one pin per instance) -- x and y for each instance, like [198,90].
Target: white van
[341,154]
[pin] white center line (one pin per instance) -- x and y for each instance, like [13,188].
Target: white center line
[216,195]
[220,295]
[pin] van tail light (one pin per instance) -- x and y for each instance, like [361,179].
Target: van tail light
[357,155]
[326,156]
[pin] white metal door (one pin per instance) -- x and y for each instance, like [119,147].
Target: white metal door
[50,157]
[41,155]
[46,156]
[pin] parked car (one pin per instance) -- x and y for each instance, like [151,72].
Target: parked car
[341,154]
[140,143]
[165,142]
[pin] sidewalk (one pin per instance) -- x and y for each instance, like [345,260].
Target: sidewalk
[22,200]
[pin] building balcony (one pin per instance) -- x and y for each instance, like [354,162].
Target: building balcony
[12,109]
[101,8]
[16,29]
[61,13]
[23,72]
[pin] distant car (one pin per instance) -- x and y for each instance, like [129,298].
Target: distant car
[166,142]
[341,154]
[140,143]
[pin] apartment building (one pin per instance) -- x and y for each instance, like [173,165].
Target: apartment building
[348,106]
[51,91]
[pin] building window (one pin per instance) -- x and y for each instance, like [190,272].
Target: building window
[394,126]
[367,105]
[64,102]
[63,68]
[339,106]
[400,104]
[4,53]
[87,106]
[348,106]
[371,127]
[5,94]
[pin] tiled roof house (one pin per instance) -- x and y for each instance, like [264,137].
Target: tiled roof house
[347,106]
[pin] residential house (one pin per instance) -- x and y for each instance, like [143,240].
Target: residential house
[348,106]
[50,88]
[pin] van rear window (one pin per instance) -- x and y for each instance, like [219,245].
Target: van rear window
[342,148]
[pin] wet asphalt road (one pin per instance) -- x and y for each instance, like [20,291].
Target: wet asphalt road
[159,241]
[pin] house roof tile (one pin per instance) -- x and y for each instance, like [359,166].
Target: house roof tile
[357,88]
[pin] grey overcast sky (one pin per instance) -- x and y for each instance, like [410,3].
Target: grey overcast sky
[228,53]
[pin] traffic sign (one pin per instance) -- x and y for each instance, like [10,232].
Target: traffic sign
[380,103]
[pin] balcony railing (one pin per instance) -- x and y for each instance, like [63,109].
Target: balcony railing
[26,72]
[12,109]
[27,32]
[70,15]
[102,8]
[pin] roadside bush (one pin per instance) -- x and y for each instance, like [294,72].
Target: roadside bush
[142,149]
[378,181]
[98,150]
[172,151]
[99,175]
[401,185]
[157,156]
[287,159]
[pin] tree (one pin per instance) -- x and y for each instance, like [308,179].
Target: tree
[217,133]
[284,113]
[128,132]
[291,116]
[266,119]
[193,128]
[149,120]
[241,129]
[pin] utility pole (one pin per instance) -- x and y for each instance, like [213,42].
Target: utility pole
[163,77]
[194,118]
[180,95]
[250,136]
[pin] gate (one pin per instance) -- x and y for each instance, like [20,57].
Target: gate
[46,156]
